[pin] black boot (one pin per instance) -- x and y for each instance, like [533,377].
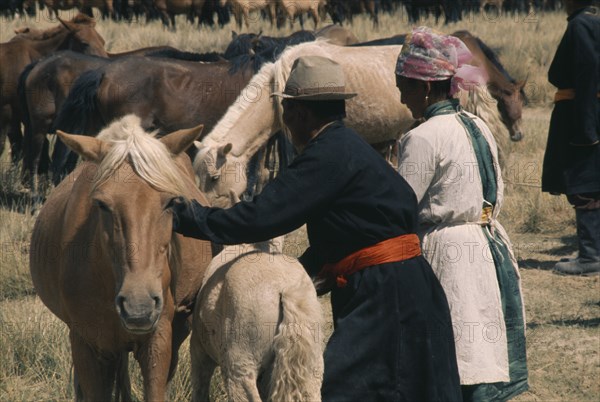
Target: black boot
[588,235]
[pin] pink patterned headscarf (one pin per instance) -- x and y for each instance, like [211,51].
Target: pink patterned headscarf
[430,56]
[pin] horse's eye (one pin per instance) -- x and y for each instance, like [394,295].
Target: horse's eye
[102,205]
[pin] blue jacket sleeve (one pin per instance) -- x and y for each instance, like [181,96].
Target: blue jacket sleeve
[305,189]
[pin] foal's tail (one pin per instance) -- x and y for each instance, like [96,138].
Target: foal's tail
[298,364]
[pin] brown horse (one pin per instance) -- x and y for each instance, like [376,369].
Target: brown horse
[169,8]
[85,6]
[77,34]
[43,88]
[166,94]
[104,258]
[508,92]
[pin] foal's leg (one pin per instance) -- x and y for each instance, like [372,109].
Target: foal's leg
[203,368]
[239,374]
[95,375]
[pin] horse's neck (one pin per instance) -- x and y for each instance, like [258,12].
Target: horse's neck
[49,45]
[249,123]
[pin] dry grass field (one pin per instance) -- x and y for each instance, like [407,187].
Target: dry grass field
[563,313]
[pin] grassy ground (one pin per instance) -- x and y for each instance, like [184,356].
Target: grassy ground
[563,313]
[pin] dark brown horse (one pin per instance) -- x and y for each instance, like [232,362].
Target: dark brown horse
[105,261]
[166,94]
[44,86]
[508,92]
[77,34]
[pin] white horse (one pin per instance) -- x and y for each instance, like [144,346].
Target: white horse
[376,113]
[257,316]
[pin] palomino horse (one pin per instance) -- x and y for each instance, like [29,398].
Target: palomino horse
[293,8]
[105,261]
[242,8]
[376,113]
[258,317]
[77,34]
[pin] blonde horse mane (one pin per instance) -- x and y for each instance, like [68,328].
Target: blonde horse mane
[150,158]
[480,102]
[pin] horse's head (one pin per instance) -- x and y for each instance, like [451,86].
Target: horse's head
[82,36]
[219,174]
[510,105]
[135,177]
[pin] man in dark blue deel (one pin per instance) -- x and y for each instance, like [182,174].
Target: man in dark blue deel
[392,338]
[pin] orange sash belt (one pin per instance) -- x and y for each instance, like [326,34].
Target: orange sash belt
[391,250]
[566,94]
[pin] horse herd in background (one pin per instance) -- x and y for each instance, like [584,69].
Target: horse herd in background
[277,11]
[62,80]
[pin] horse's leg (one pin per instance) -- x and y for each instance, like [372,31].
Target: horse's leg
[246,18]
[240,385]
[15,136]
[203,368]
[154,358]
[272,14]
[4,126]
[34,142]
[94,375]
[172,17]
[60,157]
[315,15]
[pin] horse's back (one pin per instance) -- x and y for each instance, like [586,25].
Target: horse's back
[242,295]
[376,113]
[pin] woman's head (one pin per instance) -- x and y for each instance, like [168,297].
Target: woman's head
[433,67]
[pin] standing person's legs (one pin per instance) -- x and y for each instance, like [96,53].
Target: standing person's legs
[587,215]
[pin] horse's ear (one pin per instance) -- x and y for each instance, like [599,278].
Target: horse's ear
[180,140]
[89,148]
[225,149]
[233,197]
[67,24]
[234,35]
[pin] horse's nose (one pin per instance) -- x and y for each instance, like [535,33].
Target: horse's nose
[516,136]
[139,314]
